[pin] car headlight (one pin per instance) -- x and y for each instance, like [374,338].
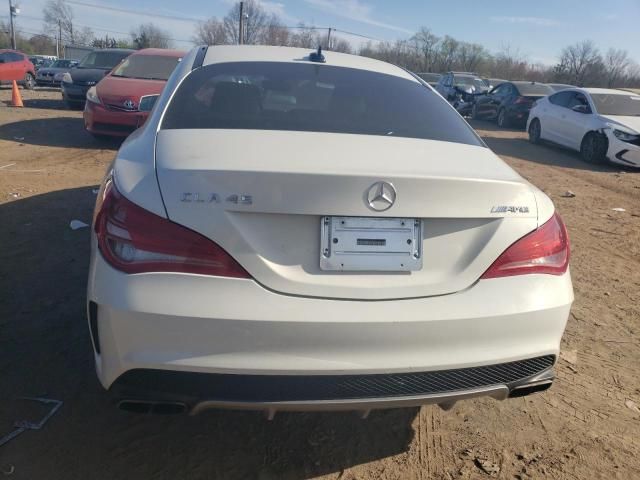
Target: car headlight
[92,95]
[66,78]
[625,136]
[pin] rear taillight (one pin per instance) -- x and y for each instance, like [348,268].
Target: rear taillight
[545,250]
[520,100]
[134,240]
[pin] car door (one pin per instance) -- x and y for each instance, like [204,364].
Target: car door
[483,103]
[553,116]
[496,99]
[577,117]
[15,66]
[5,66]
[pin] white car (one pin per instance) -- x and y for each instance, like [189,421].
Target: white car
[602,124]
[299,231]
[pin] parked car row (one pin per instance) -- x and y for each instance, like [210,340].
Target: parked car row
[601,124]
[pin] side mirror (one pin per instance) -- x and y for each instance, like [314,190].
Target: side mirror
[147,102]
[581,109]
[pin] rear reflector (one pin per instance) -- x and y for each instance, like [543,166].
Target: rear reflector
[545,250]
[134,240]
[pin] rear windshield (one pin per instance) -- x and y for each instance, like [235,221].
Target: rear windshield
[103,60]
[312,98]
[606,104]
[534,89]
[148,67]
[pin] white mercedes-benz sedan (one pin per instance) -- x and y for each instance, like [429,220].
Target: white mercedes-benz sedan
[296,230]
[602,124]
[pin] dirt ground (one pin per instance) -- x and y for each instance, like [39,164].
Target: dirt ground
[586,426]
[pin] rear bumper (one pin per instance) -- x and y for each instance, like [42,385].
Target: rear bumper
[196,392]
[190,324]
[519,114]
[99,120]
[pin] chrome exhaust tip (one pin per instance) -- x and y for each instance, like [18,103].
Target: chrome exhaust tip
[529,388]
[155,408]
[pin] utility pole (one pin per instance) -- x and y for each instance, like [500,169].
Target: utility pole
[13,11]
[240,26]
[329,39]
[59,39]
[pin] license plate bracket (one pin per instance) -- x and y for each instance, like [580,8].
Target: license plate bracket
[370,244]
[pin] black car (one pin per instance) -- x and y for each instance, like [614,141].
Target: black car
[510,102]
[91,69]
[52,75]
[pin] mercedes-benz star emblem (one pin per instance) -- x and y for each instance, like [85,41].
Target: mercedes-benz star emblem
[129,105]
[381,196]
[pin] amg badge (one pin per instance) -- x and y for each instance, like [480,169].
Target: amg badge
[509,209]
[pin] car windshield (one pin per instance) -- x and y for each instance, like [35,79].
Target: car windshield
[62,64]
[149,67]
[464,81]
[102,60]
[534,89]
[614,104]
[313,98]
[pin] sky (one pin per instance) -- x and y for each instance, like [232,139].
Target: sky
[537,29]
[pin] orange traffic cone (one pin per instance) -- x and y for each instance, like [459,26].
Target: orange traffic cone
[16,98]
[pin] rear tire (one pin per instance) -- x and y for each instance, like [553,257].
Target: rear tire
[534,131]
[503,121]
[29,81]
[594,148]
[474,112]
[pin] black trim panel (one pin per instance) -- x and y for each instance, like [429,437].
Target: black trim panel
[197,63]
[295,388]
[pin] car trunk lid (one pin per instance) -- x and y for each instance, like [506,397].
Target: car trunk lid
[261,195]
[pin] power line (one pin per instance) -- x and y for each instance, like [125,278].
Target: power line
[138,12]
[93,27]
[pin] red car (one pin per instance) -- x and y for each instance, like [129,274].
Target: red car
[17,66]
[113,106]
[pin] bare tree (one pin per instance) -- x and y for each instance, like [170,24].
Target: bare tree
[5,41]
[341,45]
[148,35]
[578,61]
[256,21]
[616,63]
[426,43]
[58,18]
[510,63]
[84,36]
[304,37]
[448,48]
[275,33]
[470,56]
[211,32]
